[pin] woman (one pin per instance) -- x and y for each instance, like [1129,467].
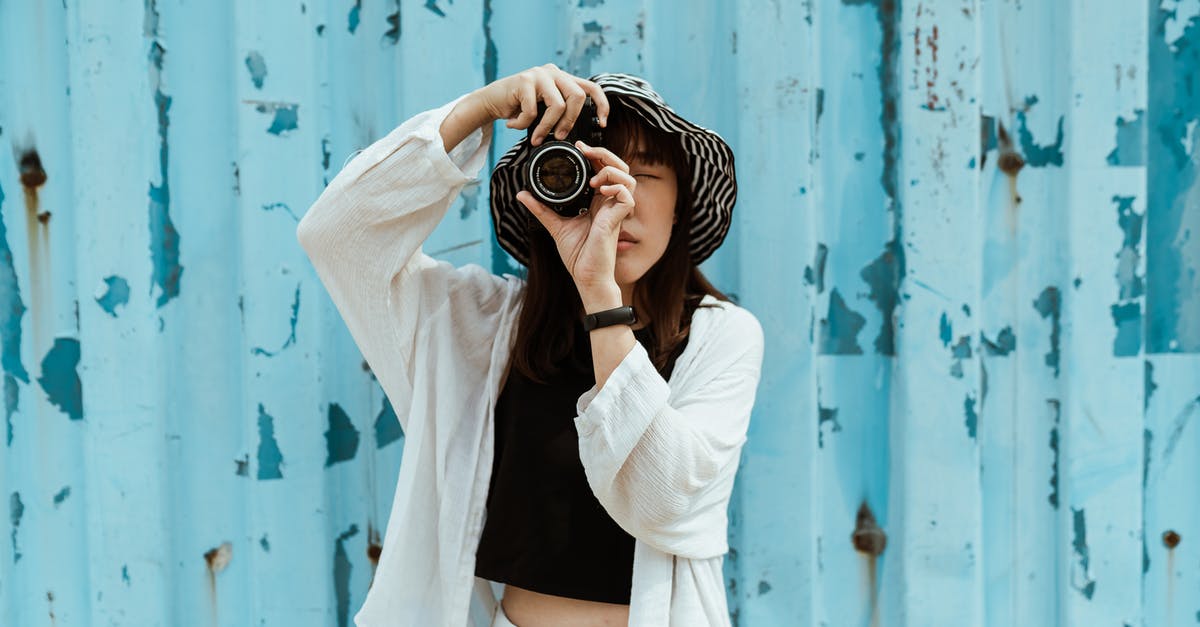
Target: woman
[545,450]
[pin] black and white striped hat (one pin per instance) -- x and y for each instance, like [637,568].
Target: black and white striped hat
[714,183]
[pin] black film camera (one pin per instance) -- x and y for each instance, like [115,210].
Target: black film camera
[557,173]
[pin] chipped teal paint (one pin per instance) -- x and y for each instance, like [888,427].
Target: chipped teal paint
[341,438]
[285,116]
[125,574]
[826,415]
[164,239]
[270,458]
[1081,577]
[291,338]
[266,546]
[387,426]
[353,18]
[1039,156]
[257,66]
[341,575]
[16,509]
[11,398]
[970,417]
[60,377]
[433,8]
[1128,320]
[1006,342]
[586,49]
[392,36]
[286,209]
[1130,141]
[116,295]
[12,308]
[62,495]
[1173,186]
[1047,305]
[1130,256]
[840,328]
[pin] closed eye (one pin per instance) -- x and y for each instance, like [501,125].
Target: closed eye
[645,175]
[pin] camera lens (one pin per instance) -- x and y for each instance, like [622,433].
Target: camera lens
[557,173]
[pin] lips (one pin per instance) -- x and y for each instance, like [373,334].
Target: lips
[626,237]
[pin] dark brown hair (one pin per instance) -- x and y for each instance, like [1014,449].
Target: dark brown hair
[548,325]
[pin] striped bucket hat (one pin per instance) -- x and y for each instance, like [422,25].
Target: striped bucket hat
[714,183]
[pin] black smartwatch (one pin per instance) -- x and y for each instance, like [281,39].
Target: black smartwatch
[609,317]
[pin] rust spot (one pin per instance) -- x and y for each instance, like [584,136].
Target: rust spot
[33,175]
[217,559]
[868,537]
[374,545]
[44,217]
[1170,539]
[1010,162]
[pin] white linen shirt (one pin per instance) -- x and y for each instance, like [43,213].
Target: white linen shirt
[660,457]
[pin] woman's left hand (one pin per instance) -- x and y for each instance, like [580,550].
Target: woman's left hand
[588,244]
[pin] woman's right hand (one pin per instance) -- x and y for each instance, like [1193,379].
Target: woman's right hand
[515,99]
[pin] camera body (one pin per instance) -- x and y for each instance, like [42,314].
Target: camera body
[556,172]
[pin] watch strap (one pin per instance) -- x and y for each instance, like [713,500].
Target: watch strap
[609,317]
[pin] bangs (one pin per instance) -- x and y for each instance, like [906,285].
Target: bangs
[627,131]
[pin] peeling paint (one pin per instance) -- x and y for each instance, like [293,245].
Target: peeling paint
[242,466]
[840,328]
[16,509]
[815,274]
[62,495]
[987,138]
[125,574]
[1129,258]
[12,306]
[1148,384]
[971,419]
[1131,137]
[392,34]
[266,546]
[286,116]
[435,9]
[883,275]
[1036,155]
[826,415]
[470,202]
[960,351]
[164,239]
[1047,304]
[1173,183]
[763,588]
[1006,342]
[257,67]
[11,397]
[286,209]
[291,338]
[60,379]
[270,459]
[116,294]
[1177,427]
[945,330]
[352,19]
[1081,578]
[590,4]
[1128,320]
[341,575]
[586,48]
[341,438]
[1056,407]
[387,426]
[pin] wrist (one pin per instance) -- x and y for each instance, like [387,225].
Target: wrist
[600,298]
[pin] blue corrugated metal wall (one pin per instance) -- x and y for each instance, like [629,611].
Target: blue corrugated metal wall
[971,229]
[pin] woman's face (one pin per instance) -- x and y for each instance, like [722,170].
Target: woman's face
[650,222]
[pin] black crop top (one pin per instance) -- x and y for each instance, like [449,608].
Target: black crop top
[545,530]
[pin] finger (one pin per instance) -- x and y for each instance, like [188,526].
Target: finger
[554,108]
[575,97]
[601,155]
[529,110]
[598,98]
[612,174]
[618,192]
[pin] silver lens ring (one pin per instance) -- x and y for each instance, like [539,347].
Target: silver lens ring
[572,154]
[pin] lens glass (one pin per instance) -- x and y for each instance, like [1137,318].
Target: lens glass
[558,175]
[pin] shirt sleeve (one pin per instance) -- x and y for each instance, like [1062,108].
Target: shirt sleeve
[364,235]
[664,470]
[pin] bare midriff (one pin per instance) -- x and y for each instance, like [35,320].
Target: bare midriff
[526,608]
